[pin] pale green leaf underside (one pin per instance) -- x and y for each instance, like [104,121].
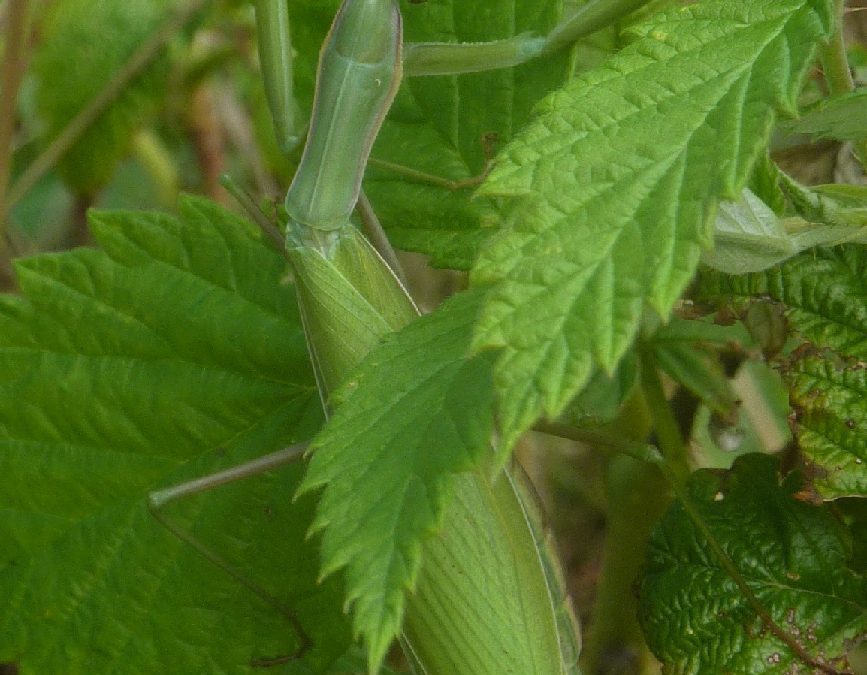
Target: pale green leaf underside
[422,412]
[174,351]
[749,237]
[619,175]
[825,295]
[792,555]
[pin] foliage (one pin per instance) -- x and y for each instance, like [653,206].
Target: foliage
[621,220]
[792,557]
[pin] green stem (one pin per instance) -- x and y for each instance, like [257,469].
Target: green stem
[141,58]
[638,495]
[838,75]
[671,443]
[601,439]
[156,159]
[10,80]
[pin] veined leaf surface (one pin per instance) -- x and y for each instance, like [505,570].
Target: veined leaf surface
[823,292]
[173,352]
[794,558]
[618,177]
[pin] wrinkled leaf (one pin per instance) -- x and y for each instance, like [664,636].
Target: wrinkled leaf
[793,557]
[618,177]
[829,397]
[824,294]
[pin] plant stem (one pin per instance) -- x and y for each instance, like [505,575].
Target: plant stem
[140,59]
[13,67]
[601,439]
[838,75]
[638,495]
[670,441]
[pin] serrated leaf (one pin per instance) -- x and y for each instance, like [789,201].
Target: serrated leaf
[84,44]
[843,117]
[174,351]
[416,412]
[793,557]
[619,175]
[829,397]
[824,294]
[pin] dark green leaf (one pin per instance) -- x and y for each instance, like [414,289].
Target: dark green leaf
[790,554]
[824,293]
[439,126]
[829,397]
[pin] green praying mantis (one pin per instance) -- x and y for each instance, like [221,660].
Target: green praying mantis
[350,298]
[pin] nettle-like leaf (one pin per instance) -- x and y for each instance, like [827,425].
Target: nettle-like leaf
[439,126]
[829,397]
[825,296]
[423,411]
[173,352]
[793,557]
[84,44]
[618,177]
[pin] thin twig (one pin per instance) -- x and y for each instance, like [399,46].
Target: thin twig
[246,202]
[141,58]
[16,35]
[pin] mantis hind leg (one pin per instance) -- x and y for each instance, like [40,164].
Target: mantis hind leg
[488,141]
[159,499]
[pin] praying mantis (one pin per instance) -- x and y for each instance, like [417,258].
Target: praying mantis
[349,298]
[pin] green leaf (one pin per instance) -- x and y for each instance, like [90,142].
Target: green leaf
[416,412]
[83,45]
[748,237]
[843,117]
[791,555]
[173,352]
[438,126]
[829,397]
[824,293]
[619,175]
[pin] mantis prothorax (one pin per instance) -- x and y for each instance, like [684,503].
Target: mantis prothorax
[349,299]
